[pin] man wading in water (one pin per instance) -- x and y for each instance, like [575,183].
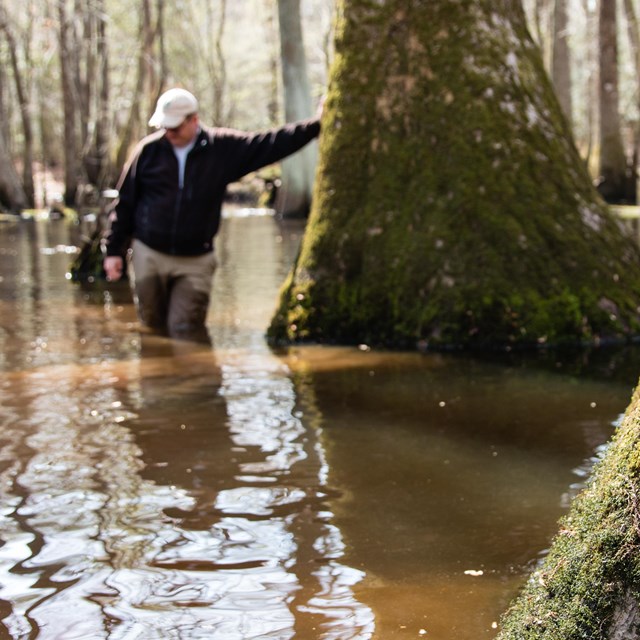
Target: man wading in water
[171,194]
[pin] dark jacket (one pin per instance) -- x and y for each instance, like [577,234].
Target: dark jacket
[153,209]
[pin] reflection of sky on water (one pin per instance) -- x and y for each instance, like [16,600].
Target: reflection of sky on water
[261,411]
[113,523]
[148,491]
[90,552]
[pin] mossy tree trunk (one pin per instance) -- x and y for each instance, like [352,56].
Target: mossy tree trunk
[589,584]
[451,206]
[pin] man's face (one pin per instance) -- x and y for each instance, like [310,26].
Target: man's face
[184,133]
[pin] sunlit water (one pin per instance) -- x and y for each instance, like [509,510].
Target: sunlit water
[152,489]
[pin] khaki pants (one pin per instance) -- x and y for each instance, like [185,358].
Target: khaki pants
[172,292]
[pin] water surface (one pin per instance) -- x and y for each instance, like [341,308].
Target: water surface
[155,489]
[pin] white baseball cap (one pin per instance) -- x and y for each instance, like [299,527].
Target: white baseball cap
[172,108]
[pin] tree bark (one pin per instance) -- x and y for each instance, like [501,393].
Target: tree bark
[215,62]
[12,195]
[613,164]
[561,58]
[103,169]
[452,208]
[142,88]
[25,111]
[633,30]
[273,104]
[294,196]
[69,99]
[92,87]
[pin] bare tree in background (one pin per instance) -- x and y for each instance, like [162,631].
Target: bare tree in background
[24,106]
[633,30]
[70,105]
[215,60]
[273,45]
[12,195]
[150,76]
[92,82]
[294,196]
[613,165]
[561,58]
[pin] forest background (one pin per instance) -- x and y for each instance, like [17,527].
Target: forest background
[79,78]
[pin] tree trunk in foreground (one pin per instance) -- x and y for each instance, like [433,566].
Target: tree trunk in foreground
[451,206]
[589,583]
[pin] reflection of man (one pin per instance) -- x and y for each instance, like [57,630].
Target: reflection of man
[171,194]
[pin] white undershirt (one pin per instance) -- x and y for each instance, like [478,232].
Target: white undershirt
[181,154]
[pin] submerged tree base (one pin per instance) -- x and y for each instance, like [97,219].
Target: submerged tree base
[589,584]
[451,206]
[466,319]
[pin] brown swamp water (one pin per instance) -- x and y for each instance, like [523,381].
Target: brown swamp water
[152,489]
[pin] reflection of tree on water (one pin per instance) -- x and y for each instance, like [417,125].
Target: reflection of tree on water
[168,495]
[149,490]
[258,537]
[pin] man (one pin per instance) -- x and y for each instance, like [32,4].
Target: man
[171,195]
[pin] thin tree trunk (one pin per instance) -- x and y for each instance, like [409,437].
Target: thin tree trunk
[133,124]
[163,68]
[294,196]
[561,58]
[273,105]
[612,171]
[216,63]
[102,121]
[25,110]
[12,195]
[591,90]
[633,30]
[85,68]
[71,148]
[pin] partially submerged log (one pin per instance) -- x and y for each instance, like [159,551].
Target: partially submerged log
[589,584]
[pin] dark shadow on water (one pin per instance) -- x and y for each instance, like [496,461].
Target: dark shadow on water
[617,363]
[454,463]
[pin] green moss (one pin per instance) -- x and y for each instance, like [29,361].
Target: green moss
[451,207]
[594,559]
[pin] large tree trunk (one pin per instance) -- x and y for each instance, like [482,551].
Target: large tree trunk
[613,164]
[452,207]
[561,58]
[294,195]
[588,584]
